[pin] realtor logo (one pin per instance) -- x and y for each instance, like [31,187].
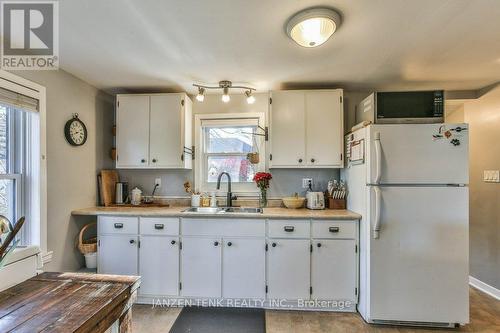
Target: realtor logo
[30,35]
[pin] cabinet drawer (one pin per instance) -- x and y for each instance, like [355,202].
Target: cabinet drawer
[334,229]
[159,226]
[289,228]
[118,225]
[224,227]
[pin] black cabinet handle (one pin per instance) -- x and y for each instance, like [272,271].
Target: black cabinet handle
[300,160]
[118,225]
[159,226]
[216,243]
[334,229]
[154,160]
[172,242]
[143,160]
[313,160]
[274,244]
[132,241]
[318,245]
[289,228]
[229,243]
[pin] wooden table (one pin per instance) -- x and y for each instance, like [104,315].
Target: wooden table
[69,302]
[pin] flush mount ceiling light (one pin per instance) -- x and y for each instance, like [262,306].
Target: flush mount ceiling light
[312,27]
[225,86]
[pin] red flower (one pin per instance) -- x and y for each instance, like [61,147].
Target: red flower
[262,179]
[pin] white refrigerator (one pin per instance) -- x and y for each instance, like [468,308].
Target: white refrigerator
[410,184]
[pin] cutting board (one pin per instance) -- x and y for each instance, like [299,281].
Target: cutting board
[109,178]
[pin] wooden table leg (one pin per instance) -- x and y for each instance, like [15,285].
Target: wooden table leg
[125,323]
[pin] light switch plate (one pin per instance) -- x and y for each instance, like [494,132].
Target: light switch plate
[306,181]
[491,176]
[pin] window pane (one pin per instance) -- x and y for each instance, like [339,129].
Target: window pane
[230,139]
[240,169]
[7,199]
[3,140]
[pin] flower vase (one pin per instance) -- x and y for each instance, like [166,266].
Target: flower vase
[263,198]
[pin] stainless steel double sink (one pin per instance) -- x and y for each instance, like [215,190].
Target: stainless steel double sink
[223,210]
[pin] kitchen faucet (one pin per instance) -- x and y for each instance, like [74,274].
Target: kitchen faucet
[229,197]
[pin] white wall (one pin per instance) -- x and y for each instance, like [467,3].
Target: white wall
[71,171]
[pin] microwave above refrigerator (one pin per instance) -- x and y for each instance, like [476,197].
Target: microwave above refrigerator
[403,107]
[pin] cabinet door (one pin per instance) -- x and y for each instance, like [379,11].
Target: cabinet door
[117,255]
[201,267]
[243,268]
[165,128]
[187,127]
[325,128]
[333,274]
[132,131]
[287,129]
[159,266]
[288,262]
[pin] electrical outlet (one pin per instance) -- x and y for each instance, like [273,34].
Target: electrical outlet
[491,176]
[158,182]
[306,182]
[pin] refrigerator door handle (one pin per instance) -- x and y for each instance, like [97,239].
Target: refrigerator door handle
[376,223]
[378,158]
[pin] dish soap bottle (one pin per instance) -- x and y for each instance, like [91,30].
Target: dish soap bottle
[213,201]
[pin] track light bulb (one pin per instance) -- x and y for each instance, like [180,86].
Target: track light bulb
[250,97]
[201,94]
[225,97]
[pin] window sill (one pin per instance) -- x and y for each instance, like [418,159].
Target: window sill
[21,253]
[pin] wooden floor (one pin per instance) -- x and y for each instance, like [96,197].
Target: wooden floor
[485,318]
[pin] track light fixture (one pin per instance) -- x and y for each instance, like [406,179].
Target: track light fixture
[201,94]
[225,86]
[250,97]
[225,96]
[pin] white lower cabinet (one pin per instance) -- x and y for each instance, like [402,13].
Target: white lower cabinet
[201,266]
[243,268]
[118,254]
[159,265]
[333,269]
[288,268]
[233,258]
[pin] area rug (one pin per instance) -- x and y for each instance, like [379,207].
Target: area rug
[219,320]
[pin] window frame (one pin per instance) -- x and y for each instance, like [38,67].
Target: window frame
[16,166]
[37,171]
[201,157]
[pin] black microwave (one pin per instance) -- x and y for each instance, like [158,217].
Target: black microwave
[412,107]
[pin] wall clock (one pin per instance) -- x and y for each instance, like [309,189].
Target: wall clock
[75,131]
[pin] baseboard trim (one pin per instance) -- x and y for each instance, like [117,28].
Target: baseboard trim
[485,288]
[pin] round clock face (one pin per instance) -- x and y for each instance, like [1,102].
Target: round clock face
[75,132]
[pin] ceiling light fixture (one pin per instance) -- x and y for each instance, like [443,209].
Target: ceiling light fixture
[225,86]
[201,94]
[313,27]
[250,97]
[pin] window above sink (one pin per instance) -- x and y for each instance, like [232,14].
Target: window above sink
[224,140]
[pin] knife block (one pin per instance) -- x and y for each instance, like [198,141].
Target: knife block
[336,203]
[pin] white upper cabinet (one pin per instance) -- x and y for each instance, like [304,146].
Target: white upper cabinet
[288,136]
[324,128]
[132,131]
[154,131]
[307,129]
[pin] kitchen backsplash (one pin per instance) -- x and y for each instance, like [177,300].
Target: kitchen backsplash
[285,181]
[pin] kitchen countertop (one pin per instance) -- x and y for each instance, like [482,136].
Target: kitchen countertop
[269,213]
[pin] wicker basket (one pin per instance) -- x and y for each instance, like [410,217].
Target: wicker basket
[88,245]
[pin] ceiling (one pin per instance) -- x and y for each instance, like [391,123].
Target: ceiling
[126,45]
